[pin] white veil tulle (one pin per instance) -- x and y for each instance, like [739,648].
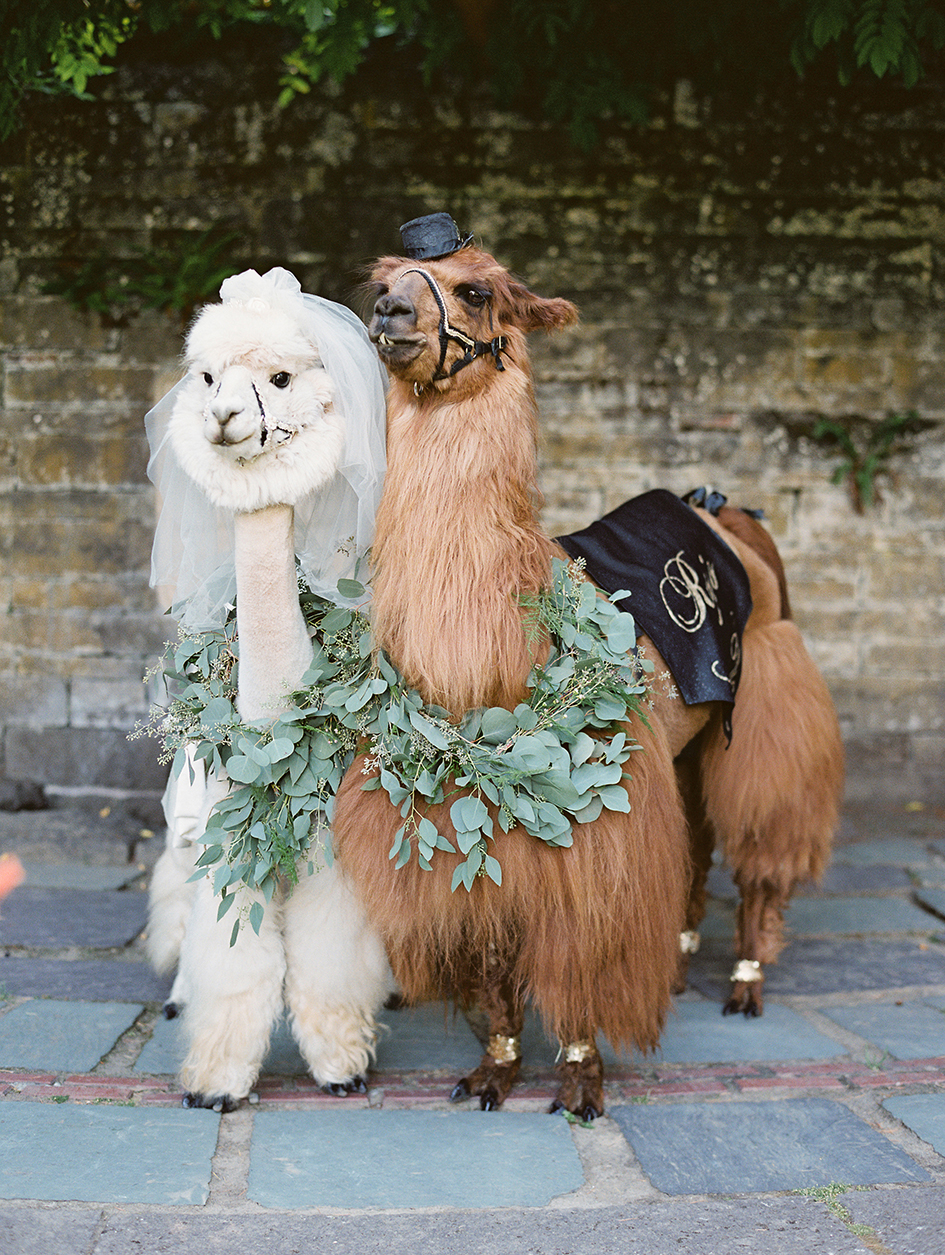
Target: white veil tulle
[193,540]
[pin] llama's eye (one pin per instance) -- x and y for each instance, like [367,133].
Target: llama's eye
[282,379]
[208,379]
[472,296]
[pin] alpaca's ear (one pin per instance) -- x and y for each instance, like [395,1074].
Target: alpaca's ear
[539,313]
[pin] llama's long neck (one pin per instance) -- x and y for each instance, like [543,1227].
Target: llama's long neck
[275,650]
[457,543]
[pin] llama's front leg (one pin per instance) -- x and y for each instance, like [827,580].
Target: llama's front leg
[499,1066]
[759,939]
[234,994]
[170,902]
[582,1079]
[337,978]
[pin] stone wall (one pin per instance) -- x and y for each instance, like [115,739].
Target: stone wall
[742,269]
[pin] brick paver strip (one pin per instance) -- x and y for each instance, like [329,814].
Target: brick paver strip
[925,1116]
[747,1147]
[356,1159]
[105,1154]
[69,1036]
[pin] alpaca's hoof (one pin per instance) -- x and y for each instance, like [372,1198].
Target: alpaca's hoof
[395,1002]
[460,1091]
[171,1010]
[211,1102]
[341,1089]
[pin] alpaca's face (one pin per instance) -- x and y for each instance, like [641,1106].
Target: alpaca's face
[253,425]
[480,300]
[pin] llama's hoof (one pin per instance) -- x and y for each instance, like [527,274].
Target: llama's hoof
[211,1102]
[747,998]
[395,1002]
[341,1089]
[460,1091]
[489,1100]
[588,1113]
[170,1010]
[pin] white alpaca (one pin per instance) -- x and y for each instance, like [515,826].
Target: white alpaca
[265,433]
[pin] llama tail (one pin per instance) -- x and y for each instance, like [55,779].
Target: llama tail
[773,795]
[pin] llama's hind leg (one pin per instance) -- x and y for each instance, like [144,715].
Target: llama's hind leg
[337,979]
[234,994]
[499,1067]
[759,939]
[773,795]
[701,844]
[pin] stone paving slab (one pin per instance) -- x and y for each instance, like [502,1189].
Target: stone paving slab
[844,916]
[925,1116]
[769,1226]
[42,1231]
[91,980]
[908,1222]
[933,899]
[74,875]
[907,1030]
[62,1036]
[388,1159]
[810,966]
[893,851]
[105,1154]
[697,1032]
[851,878]
[749,1147]
[55,918]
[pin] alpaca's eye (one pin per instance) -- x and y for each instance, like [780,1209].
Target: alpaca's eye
[208,379]
[282,379]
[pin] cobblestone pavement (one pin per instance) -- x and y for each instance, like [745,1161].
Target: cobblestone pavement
[819,1127]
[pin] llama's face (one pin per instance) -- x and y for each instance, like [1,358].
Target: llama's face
[253,425]
[480,300]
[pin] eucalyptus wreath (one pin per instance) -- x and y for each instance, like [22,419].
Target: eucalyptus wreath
[556,759]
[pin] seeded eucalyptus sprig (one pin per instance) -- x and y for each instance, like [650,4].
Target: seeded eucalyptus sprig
[554,760]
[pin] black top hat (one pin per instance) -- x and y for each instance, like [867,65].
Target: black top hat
[432,236]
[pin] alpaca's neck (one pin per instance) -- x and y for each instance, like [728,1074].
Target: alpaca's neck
[275,650]
[457,544]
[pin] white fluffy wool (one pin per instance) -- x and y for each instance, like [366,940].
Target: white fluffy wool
[291,439]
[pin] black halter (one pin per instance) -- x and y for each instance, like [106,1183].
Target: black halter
[471,348]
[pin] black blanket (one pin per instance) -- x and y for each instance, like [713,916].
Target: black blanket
[689,592]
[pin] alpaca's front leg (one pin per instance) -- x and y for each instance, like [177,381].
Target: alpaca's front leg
[170,903]
[499,1066]
[759,939]
[234,994]
[337,978]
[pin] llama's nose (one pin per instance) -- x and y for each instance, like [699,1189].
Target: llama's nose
[392,305]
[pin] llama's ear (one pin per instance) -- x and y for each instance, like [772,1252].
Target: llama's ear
[539,313]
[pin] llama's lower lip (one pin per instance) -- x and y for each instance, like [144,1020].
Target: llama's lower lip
[399,351]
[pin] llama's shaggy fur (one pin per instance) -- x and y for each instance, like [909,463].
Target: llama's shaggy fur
[589,933]
[254,428]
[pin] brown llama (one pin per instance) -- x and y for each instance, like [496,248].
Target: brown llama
[590,934]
